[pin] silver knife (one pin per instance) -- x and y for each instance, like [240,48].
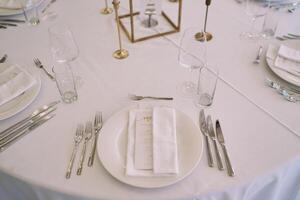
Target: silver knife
[22,133]
[23,122]
[221,140]
[12,20]
[7,24]
[203,128]
[213,137]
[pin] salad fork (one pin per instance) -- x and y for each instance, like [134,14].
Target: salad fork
[77,139]
[138,98]
[97,127]
[87,136]
[39,64]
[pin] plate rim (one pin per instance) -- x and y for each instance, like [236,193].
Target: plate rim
[281,74]
[171,182]
[19,11]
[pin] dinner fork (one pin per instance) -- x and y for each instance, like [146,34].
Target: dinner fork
[87,136]
[138,98]
[97,127]
[77,139]
[39,64]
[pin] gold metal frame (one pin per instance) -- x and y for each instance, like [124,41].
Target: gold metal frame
[130,34]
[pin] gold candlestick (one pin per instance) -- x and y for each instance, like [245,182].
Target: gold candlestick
[120,53]
[204,36]
[106,10]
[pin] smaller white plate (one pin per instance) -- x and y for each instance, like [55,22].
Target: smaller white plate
[272,52]
[19,103]
[9,12]
[112,149]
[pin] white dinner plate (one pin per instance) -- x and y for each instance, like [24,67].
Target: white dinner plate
[273,50]
[9,12]
[22,101]
[112,149]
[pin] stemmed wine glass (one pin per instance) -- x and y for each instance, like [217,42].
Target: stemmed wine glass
[63,45]
[192,55]
[254,9]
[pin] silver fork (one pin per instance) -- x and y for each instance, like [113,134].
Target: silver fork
[97,127]
[137,98]
[77,139]
[39,64]
[87,136]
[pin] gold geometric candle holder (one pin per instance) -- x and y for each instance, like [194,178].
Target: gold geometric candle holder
[132,19]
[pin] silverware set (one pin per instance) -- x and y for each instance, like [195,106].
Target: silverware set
[87,134]
[287,93]
[289,36]
[39,64]
[207,129]
[5,23]
[138,98]
[21,128]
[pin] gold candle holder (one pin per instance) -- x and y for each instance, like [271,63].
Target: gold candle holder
[204,35]
[120,53]
[107,10]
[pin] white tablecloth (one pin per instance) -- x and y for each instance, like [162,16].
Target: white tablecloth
[260,127]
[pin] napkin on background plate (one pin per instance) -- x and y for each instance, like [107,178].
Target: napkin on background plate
[152,148]
[284,59]
[12,4]
[13,81]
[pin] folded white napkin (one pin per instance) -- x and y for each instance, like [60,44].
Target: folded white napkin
[152,144]
[12,4]
[282,62]
[13,81]
[165,159]
[289,53]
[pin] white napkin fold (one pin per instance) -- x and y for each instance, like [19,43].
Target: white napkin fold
[13,81]
[165,159]
[12,4]
[164,143]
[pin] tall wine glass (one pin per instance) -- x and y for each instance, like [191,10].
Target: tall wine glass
[63,46]
[254,9]
[192,55]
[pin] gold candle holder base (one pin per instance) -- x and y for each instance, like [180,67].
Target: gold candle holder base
[106,11]
[173,1]
[201,36]
[121,54]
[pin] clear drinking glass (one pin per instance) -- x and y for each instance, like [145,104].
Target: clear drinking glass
[271,22]
[65,82]
[192,55]
[207,83]
[254,9]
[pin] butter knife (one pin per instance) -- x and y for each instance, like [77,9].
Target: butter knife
[221,140]
[212,135]
[203,128]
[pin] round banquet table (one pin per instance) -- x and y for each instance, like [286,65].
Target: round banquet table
[261,129]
